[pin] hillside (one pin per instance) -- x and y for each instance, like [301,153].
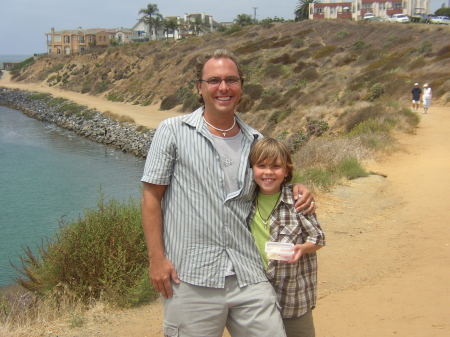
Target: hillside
[295,72]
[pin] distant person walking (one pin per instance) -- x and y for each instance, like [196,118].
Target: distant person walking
[416,93]
[427,95]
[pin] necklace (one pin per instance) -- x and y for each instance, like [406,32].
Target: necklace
[224,131]
[265,221]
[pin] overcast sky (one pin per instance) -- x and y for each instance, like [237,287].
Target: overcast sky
[23,23]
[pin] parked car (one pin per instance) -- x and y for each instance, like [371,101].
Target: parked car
[368,16]
[401,18]
[440,20]
[420,18]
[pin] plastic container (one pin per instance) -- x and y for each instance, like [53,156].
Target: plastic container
[280,251]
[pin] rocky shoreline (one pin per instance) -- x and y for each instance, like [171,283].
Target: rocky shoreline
[90,124]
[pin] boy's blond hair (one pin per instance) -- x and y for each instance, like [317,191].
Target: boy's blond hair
[269,150]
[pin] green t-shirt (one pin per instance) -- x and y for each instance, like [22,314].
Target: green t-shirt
[260,225]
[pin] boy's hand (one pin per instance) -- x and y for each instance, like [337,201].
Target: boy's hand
[304,199]
[298,252]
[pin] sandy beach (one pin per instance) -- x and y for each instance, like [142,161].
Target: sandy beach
[385,270]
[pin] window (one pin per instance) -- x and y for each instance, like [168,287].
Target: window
[91,38]
[318,10]
[57,38]
[397,5]
[81,39]
[66,39]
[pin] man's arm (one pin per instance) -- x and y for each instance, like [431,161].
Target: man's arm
[161,271]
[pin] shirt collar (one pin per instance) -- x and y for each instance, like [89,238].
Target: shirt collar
[286,195]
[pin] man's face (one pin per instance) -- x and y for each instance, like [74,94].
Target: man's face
[222,97]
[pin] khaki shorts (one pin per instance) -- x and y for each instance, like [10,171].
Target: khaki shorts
[249,311]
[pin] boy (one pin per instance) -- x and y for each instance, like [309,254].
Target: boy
[274,219]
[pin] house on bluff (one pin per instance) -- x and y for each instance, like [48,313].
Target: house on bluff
[356,9]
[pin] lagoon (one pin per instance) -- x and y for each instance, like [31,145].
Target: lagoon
[47,173]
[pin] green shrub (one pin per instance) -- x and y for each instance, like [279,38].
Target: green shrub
[342,34]
[270,99]
[310,74]
[101,255]
[41,96]
[101,86]
[282,59]
[273,71]
[296,140]
[316,127]
[245,104]
[324,52]
[426,47]
[279,115]
[17,68]
[359,45]
[298,43]
[350,168]
[375,92]
[57,101]
[254,90]
[190,103]
[115,97]
[317,178]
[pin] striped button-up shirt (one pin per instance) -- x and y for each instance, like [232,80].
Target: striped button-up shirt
[294,283]
[204,229]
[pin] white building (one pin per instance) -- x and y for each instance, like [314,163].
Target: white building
[355,9]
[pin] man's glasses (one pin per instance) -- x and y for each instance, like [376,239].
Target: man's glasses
[231,81]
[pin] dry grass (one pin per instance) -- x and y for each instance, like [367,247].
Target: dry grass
[326,152]
[119,118]
[25,315]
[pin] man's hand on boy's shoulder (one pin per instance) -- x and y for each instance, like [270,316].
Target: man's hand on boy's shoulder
[304,199]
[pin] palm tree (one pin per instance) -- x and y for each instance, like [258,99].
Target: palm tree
[243,20]
[302,10]
[170,25]
[152,18]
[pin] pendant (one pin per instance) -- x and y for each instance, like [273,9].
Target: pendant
[224,133]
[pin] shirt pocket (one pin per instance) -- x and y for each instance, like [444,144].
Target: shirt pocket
[289,234]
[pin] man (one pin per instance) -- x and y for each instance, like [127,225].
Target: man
[203,258]
[416,92]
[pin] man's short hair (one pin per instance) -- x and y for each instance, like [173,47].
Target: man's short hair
[270,149]
[216,54]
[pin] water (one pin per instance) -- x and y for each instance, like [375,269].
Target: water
[47,172]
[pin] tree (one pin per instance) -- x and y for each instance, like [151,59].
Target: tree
[302,10]
[152,18]
[170,25]
[444,11]
[243,20]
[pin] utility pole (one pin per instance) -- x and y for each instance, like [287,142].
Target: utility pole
[254,13]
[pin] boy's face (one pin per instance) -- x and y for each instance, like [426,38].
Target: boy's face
[269,176]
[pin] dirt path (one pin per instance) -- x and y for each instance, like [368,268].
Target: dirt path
[385,270]
[149,116]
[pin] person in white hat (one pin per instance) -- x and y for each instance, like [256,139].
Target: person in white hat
[427,95]
[416,92]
